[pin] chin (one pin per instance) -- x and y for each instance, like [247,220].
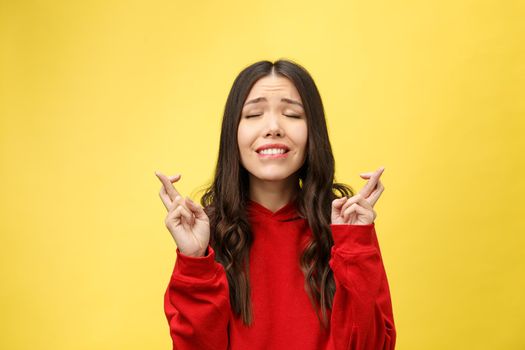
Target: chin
[272,175]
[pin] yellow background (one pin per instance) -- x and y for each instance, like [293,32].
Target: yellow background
[96,96]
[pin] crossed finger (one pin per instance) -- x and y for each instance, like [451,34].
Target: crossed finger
[358,198]
[373,188]
[165,197]
[373,198]
[357,204]
[168,192]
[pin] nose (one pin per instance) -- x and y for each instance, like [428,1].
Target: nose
[273,127]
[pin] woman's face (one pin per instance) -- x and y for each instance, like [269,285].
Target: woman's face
[272,132]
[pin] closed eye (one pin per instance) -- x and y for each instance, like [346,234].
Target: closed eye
[286,115]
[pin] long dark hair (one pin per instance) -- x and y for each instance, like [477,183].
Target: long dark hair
[226,198]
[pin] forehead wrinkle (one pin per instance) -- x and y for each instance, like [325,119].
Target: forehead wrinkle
[284,100]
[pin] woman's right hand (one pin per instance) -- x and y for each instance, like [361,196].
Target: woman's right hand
[186,220]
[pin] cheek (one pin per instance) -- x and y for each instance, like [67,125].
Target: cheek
[243,138]
[301,137]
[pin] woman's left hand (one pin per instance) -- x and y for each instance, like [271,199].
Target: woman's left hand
[359,209]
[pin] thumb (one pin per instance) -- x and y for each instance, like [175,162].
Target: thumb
[196,209]
[338,203]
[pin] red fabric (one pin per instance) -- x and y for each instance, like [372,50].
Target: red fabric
[197,305]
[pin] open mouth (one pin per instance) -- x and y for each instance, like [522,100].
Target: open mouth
[273,153]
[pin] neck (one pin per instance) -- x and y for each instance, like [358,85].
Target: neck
[273,194]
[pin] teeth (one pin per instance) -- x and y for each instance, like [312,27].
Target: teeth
[272,151]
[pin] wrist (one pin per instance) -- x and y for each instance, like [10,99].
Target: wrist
[196,254]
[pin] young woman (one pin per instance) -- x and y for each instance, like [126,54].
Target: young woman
[279,256]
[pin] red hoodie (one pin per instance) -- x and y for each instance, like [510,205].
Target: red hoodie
[197,303]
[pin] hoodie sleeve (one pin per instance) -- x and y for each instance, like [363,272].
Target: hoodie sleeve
[361,316]
[197,304]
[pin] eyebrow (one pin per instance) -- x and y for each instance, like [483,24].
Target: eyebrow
[261,99]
